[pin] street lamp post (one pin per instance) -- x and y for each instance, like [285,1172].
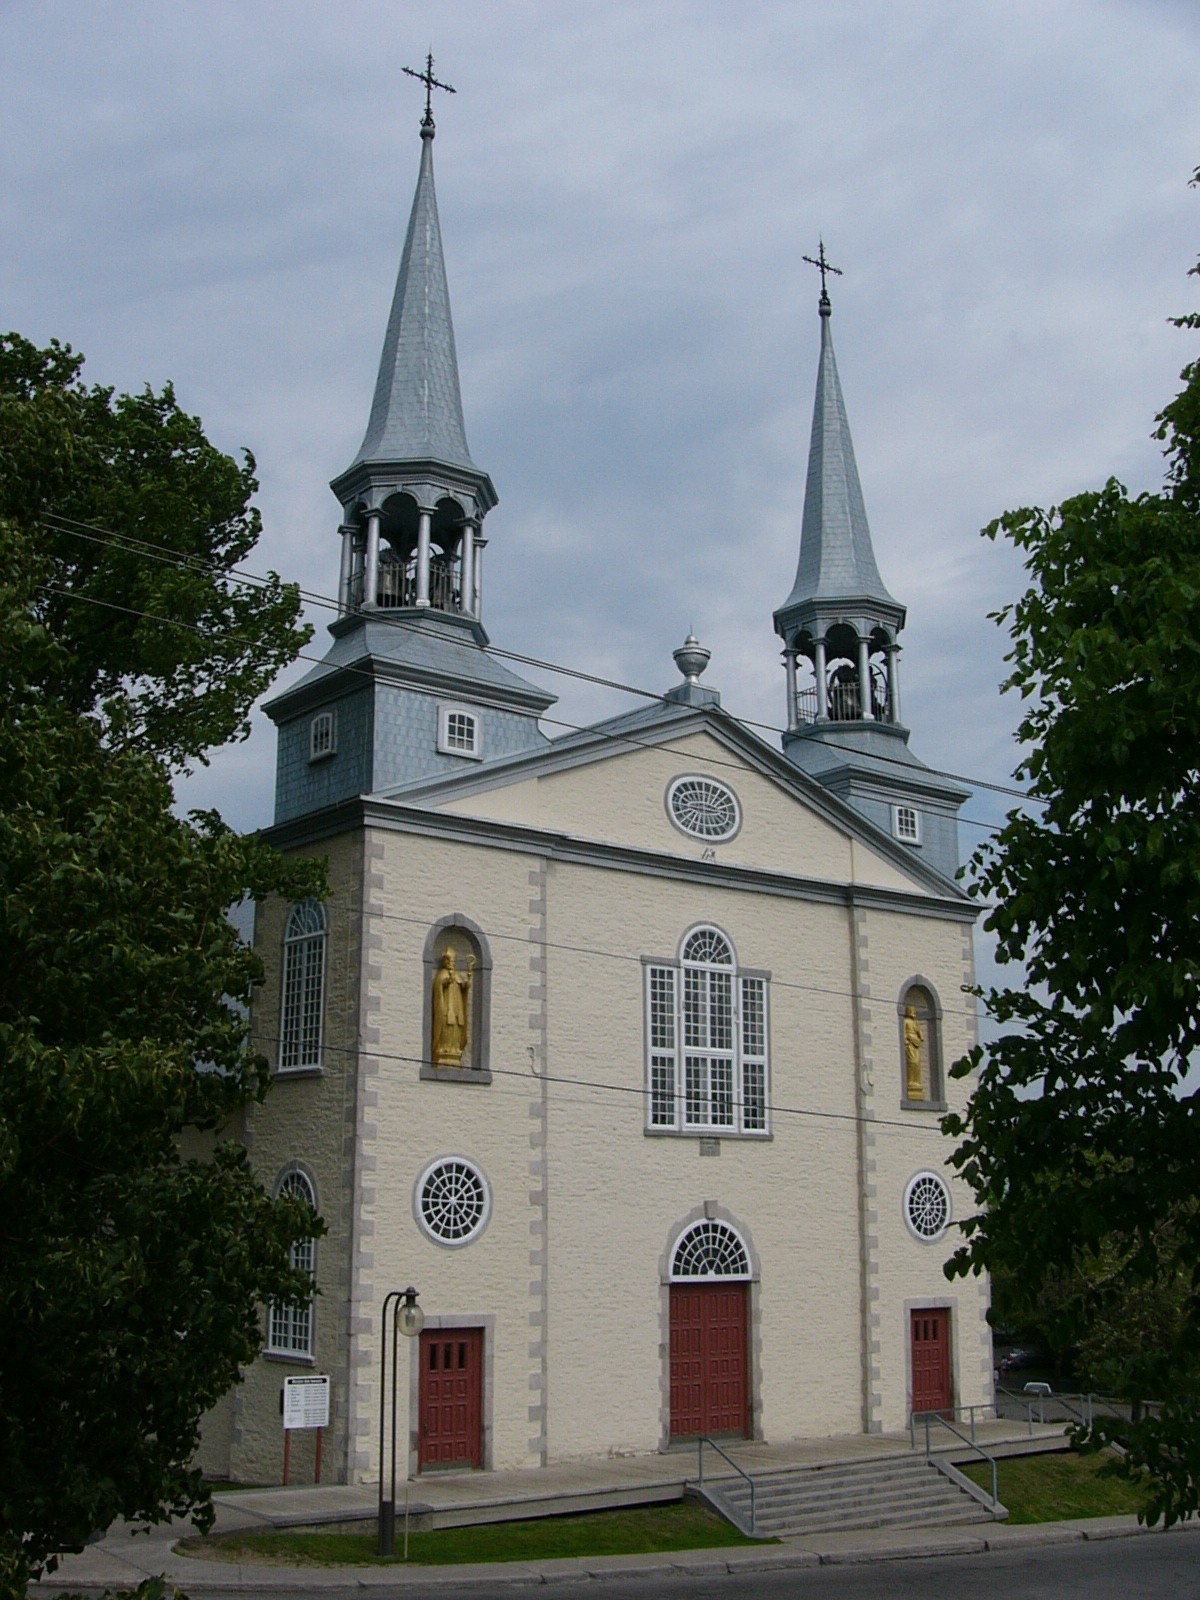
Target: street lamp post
[406,1317]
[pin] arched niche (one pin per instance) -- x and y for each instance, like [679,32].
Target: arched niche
[920,1046]
[457,936]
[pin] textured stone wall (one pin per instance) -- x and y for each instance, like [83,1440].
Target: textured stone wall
[309,1118]
[569,1278]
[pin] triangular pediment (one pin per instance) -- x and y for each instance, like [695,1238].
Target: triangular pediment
[612,786]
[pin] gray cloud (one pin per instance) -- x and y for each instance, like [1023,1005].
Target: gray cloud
[217,193]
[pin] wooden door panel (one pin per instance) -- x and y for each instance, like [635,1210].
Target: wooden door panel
[451,1398]
[709,1372]
[930,1343]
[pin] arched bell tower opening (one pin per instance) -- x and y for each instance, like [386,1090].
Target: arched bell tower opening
[842,675]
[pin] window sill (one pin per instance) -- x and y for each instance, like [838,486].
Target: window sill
[759,1136]
[325,755]
[922,1105]
[298,1072]
[294,1358]
[456,1074]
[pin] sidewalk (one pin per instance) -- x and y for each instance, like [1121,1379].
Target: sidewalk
[123,1559]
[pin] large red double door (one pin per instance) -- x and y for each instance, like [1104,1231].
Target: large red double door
[710,1367]
[451,1398]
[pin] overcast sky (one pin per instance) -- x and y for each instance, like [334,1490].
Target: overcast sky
[216,193]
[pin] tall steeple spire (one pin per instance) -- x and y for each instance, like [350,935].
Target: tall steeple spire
[408,689]
[840,629]
[839,617]
[413,500]
[417,409]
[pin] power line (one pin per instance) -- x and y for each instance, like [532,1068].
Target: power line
[100,535]
[598,731]
[856,995]
[532,1076]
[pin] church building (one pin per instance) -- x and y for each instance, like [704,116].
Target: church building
[627,1049]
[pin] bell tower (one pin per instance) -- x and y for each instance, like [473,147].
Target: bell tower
[413,501]
[408,689]
[841,643]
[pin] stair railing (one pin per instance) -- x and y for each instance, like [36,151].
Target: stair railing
[930,1417]
[741,1471]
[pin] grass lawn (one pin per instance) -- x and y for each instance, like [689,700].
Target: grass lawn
[680,1525]
[1051,1488]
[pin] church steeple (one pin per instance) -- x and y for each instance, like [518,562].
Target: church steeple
[413,500]
[408,689]
[840,629]
[839,620]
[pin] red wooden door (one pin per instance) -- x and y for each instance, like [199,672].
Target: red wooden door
[451,1398]
[931,1360]
[710,1372]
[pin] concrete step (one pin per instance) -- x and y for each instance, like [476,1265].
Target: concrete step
[899,1492]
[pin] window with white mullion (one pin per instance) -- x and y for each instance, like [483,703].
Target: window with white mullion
[707,1055]
[662,990]
[754,1055]
[303,987]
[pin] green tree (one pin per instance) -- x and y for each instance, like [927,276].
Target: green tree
[131,1279]
[1081,1139]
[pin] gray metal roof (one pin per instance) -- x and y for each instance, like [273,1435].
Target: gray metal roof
[837,561]
[417,410]
[423,651]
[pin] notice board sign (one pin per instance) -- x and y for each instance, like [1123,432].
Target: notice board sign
[306,1402]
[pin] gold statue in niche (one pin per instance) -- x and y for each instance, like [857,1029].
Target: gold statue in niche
[451,1010]
[914,1039]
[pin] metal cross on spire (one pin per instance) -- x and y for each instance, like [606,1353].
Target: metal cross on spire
[431,83]
[823,267]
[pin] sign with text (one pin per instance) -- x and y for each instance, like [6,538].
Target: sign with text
[306,1402]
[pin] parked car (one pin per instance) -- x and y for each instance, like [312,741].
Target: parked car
[1016,1359]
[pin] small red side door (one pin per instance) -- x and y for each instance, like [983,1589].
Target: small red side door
[931,1360]
[451,1398]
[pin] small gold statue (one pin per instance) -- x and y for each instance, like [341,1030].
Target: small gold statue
[914,1038]
[451,1010]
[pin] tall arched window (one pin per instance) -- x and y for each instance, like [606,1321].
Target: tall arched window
[706,1029]
[290,1327]
[303,987]
[920,1048]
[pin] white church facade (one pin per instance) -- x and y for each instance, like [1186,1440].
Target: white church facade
[626,1049]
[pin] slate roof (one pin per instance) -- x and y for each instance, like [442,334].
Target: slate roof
[417,413]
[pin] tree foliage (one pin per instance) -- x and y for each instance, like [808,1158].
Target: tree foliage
[131,1279]
[1081,1139]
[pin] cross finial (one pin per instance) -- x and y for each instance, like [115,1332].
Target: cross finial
[431,83]
[823,266]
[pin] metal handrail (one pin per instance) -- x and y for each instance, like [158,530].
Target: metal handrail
[705,1440]
[970,1411]
[929,1417]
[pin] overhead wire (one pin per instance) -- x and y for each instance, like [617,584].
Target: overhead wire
[100,535]
[531,1075]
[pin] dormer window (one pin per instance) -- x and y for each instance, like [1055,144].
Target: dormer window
[460,732]
[322,736]
[906,824]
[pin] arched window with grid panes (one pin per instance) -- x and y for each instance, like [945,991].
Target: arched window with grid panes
[302,1007]
[290,1327]
[707,1040]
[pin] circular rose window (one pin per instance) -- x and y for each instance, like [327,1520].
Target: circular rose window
[705,808]
[452,1201]
[927,1206]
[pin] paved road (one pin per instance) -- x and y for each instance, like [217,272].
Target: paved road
[1148,1568]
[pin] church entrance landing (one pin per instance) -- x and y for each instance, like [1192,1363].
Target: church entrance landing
[931,1360]
[710,1369]
[451,1399]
